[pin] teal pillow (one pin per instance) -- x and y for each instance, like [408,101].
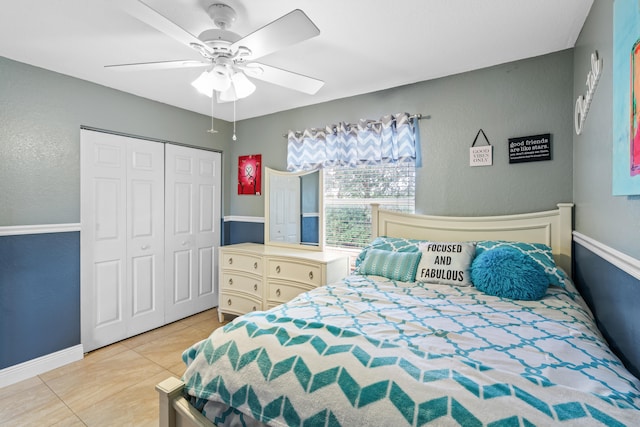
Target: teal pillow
[538,252]
[391,244]
[399,266]
[509,273]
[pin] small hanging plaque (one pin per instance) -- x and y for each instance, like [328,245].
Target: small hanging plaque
[530,148]
[481,155]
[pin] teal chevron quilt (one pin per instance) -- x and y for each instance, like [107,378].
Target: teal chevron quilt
[373,352]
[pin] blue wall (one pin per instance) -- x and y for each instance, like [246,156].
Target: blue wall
[614,299]
[253,232]
[243,232]
[39,295]
[310,229]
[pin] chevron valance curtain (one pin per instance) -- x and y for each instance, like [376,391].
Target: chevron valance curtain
[393,138]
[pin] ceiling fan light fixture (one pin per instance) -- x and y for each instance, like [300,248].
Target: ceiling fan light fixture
[220,70]
[203,84]
[211,80]
[242,85]
[220,82]
[227,95]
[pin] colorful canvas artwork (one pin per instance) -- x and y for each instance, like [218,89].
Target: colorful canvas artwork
[626,97]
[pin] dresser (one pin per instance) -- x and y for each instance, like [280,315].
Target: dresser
[254,277]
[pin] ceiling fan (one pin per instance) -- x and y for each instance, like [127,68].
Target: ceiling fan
[229,58]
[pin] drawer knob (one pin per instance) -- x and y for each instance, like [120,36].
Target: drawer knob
[229,302]
[230,282]
[278,292]
[230,260]
[255,286]
[255,265]
[278,269]
[311,275]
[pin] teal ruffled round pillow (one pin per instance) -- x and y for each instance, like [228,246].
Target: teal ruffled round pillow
[508,273]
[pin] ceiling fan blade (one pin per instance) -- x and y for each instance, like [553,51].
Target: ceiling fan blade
[287,30]
[162,65]
[283,78]
[155,19]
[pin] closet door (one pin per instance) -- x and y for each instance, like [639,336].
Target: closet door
[192,235]
[122,237]
[145,235]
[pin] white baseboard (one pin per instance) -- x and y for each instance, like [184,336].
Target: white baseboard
[31,368]
[623,261]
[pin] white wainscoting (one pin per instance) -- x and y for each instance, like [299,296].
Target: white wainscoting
[15,230]
[623,261]
[237,218]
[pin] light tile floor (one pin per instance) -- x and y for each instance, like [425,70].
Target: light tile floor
[111,386]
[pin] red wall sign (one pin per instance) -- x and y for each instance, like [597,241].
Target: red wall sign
[250,174]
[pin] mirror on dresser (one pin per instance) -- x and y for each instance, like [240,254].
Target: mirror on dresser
[293,209]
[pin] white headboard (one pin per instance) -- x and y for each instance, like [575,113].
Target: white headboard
[552,228]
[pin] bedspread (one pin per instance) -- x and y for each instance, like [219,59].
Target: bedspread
[373,352]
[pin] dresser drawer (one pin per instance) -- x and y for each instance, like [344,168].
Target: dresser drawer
[283,292]
[231,303]
[241,262]
[238,282]
[297,271]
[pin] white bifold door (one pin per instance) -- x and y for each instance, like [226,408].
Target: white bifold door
[122,236]
[192,230]
[129,244]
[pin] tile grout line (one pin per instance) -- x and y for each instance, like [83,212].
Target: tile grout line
[62,400]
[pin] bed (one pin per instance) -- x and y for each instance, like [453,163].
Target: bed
[385,348]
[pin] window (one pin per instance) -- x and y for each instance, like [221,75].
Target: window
[349,192]
[372,161]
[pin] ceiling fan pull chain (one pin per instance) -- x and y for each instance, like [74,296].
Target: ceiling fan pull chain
[234,119]
[212,130]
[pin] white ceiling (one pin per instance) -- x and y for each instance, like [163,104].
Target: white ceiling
[363,46]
